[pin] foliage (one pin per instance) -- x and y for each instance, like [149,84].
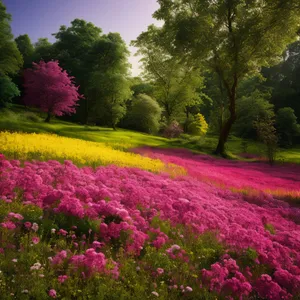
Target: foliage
[50,88]
[90,56]
[249,109]
[287,127]
[26,49]
[176,85]
[144,114]
[266,133]
[232,38]
[198,126]
[173,130]
[10,57]
[48,147]
[283,79]
[8,90]
[141,87]
[111,91]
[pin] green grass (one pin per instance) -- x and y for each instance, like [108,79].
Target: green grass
[18,119]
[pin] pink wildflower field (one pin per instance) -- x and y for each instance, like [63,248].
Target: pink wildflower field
[114,232]
[279,180]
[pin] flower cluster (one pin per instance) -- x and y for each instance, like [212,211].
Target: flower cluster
[124,204]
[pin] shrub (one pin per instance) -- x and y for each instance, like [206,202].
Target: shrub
[198,126]
[286,123]
[173,130]
[8,90]
[144,114]
[266,133]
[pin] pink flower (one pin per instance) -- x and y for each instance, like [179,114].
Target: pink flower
[8,225]
[52,293]
[16,216]
[35,240]
[160,271]
[35,227]
[62,232]
[27,225]
[62,278]
[189,289]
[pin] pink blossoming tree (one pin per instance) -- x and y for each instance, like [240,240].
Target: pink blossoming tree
[51,89]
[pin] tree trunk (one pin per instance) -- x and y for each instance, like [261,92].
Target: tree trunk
[47,120]
[224,135]
[220,150]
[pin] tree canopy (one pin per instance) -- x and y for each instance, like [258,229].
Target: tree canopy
[50,88]
[233,38]
[10,57]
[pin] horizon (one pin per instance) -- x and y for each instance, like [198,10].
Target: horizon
[129,19]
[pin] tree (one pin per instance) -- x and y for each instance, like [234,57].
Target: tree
[51,89]
[176,84]
[111,91]
[10,56]
[144,114]
[85,52]
[43,50]
[233,38]
[267,134]
[198,126]
[287,127]
[8,90]
[284,80]
[26,48]
[249,109]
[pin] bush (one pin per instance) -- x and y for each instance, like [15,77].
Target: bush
[198,126]
[8,90]
[173,130]
[266,133]
[144,114]
[286,123]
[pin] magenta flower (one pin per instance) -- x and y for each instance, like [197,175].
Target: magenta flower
[52,293]
[8,225]
[62,278]
[27,225]
[35,240]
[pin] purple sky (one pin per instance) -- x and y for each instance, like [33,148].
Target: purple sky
[40,18]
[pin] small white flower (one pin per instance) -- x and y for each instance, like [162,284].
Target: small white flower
[53,230]
[155,294]
[14,260]
[25,291]
[35,227]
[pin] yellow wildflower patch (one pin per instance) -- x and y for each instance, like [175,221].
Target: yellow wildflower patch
[25,146]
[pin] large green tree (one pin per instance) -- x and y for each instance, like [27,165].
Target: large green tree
[233,38]
[26,49]
[10,56]
[175,83]
[85,53]
[111,90]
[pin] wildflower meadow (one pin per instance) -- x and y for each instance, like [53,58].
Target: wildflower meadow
[150,150]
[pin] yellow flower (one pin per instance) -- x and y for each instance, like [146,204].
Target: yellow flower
[26,146]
